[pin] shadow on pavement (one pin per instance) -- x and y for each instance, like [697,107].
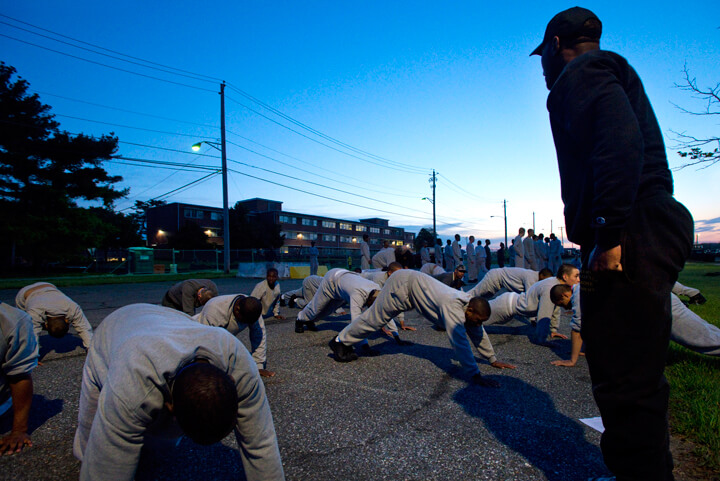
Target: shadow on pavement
[524,419]
[162,460]
[42,409]
[62,345]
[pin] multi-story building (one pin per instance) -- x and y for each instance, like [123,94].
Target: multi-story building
[166,220]
[299,229]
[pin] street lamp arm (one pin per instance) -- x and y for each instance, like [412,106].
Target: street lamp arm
[214,145]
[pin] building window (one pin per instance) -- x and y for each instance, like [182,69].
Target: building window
[329,238]
[306,236]
[374,240]
[386,231]
[216,216]
[194,214]
[345,239]
[311,222]
[328,224]
[345,226]
[286,219]
[360,228]
[375,230]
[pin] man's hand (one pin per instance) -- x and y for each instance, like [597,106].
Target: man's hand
[479,380]
[563,363]
[280,317]
[608,260]
[407,328]
[558,335]
[266,373]
[387,332]
[14,442]
[502,365]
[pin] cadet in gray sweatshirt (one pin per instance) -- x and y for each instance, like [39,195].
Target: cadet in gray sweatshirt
[142,359]
[236,313]
[52,310]
[187,295]
[444,306]
[18,357]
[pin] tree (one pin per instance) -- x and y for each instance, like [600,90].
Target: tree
[425,236]
[699,150]
[139,214]
[251,232]
[190,236]
[43,172]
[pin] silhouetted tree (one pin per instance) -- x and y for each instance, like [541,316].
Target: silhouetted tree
[43,171]
[426,236]
[251,232]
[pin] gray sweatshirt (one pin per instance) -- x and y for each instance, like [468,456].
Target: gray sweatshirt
[442,305]
[43,299]
[268,297]
[135,354]
[514,279]
[18,347]
[218,312]
[184,294]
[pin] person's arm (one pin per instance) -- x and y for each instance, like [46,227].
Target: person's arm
[575,347]
[254,429]
[21,391]
[81,325]
[189,296]
[116,439]
[276,303]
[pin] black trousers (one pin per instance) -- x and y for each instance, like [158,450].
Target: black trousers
[626,329]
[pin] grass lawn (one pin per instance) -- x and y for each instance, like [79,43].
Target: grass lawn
[694,378]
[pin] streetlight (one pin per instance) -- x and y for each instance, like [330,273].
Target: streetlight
[434,230]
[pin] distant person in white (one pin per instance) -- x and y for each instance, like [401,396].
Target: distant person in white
[481,259]
[313,253]
[18,358]
[365,259]
[529,251]
[52,310]
[152,370]
[457,251]
[517,245]
[237,312]
[424,254]
[448,257]
[472,268]
[554,254]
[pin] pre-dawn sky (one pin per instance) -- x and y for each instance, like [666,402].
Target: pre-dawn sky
[389,90]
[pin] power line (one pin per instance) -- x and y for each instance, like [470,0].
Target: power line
[107,49]
[106,65]
[107,55]
[133,127]
[416,171]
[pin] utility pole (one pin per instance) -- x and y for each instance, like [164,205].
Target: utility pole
[433,181]
[226,213]
[562,237]
[505,215]
[533,221]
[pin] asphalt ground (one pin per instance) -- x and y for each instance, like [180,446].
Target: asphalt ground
[407,414]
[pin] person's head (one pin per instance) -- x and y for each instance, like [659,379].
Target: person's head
[544,273]
[449,242]
[371,297]
[521,231]
[460,272]
[312,243]
[272,277]
[541,236]
[487,242]
[471,239]
[57,326]
[204,402]
[247,310]
[477,312]
[502,245]
[530,232]
[552,236]
[393,266]
[438,242]
[457,237]
[568,274]
[366,237]
[569,34]
[358,270]
[204,294]
[561,295]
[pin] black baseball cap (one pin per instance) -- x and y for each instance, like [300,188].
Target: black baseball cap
[570,24]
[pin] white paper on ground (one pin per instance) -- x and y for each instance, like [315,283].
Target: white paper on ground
[595,423]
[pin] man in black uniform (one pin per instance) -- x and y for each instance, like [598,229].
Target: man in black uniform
[635,237]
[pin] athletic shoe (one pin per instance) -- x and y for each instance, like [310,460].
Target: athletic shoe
[299,327]
[697,299]
[342,353]
[310,326]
